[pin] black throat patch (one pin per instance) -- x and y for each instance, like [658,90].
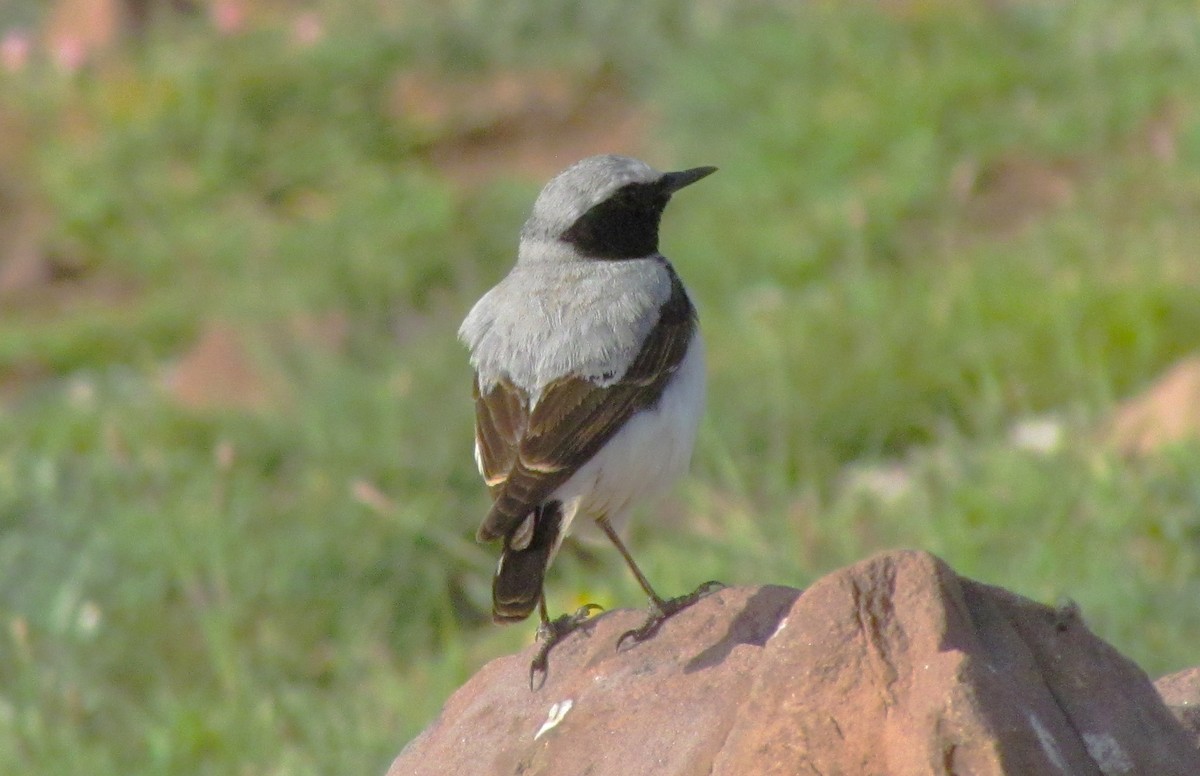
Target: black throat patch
[624,226]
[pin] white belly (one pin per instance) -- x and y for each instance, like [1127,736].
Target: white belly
[645,457]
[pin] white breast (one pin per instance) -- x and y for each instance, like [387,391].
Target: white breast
[645,457]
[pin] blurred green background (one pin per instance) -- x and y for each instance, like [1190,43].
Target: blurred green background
[948,242]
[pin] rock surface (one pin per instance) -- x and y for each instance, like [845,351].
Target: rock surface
[892,666]
[1181,693]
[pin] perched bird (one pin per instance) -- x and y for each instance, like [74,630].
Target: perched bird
[589,380]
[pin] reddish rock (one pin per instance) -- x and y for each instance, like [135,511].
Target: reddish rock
[892,666]
[1181,692]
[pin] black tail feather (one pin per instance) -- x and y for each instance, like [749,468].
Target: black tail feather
[517,586]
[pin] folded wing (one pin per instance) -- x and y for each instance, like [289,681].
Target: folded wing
[525,454]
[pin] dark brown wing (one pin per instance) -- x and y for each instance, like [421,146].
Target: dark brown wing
[526,456]
[501,417]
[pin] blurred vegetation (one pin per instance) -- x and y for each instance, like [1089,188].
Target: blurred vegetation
[933,225]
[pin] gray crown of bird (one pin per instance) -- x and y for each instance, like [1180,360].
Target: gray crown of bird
[589,382]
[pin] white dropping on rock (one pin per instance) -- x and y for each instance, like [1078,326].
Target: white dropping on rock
[779,628]
[557,712]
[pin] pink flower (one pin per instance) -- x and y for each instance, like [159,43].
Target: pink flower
[14,50]
[228,16]
[70,52]
[307,29]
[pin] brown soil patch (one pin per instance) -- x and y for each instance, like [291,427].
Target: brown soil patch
[1006,197]
[1167,412]
[231,368]
[219,371]
[530,123]
[1158,135]
[329,331]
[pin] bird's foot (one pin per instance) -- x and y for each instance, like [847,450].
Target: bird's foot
[550,633]
[661,612]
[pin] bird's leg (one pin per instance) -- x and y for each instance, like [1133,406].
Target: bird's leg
[550,632]
[660,609]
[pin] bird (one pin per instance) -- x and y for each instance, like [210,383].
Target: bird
[589,382]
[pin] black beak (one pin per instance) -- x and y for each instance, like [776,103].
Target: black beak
[674,181]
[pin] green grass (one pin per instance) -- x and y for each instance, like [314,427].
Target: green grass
[292,587]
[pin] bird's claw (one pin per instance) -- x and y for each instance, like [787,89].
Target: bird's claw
[660,612]
[550,633]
